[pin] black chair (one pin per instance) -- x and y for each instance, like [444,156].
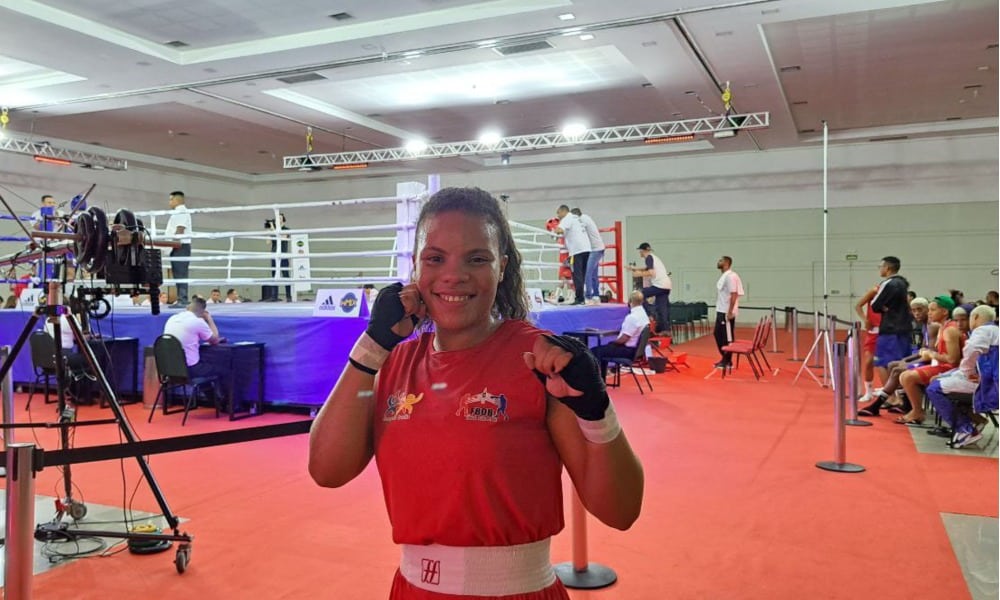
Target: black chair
[172,372]
[43,361]
[640,355]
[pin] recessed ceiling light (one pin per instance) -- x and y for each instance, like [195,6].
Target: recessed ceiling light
[413,54]
[571,31]
[983,68]
[567,17]
[587,37]
[487,43]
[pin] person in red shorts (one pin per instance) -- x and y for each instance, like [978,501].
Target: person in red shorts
[870,321]
[942,358]
[472,423]
[565,273]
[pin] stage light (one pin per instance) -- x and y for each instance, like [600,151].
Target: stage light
[349,166]
[416,146]
[574,130]
[669,139]
[490,138]
[52,161]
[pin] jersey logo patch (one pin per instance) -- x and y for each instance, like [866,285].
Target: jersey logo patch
[400,406]
[483,406]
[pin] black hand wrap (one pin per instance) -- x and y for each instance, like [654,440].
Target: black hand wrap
[583,373]
[387,310]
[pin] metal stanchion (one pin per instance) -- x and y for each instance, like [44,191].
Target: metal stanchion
[795,335]
[19,544]
[580,574]
[839,464]
[788,318]
[854,364]
[774,330]
[7,402]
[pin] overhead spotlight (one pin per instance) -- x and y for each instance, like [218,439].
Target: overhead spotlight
[505,159]
[587,37]
[416,146]
[567,17]
[490,138]
[52,161]
[574,130]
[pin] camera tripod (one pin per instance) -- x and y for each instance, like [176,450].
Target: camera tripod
[58,528]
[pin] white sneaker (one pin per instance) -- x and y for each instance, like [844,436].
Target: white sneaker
[966,439]
[865,398]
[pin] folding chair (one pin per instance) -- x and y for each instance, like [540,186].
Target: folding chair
[171,367]
[43,361]
[632,363]
[740,348]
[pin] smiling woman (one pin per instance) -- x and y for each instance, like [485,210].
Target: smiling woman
[472,423]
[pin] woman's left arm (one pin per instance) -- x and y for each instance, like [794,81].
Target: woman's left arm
[607,476]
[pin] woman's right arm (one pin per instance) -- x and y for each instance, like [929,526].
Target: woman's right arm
[340,441]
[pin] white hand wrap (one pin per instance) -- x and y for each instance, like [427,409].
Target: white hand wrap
[603,430]
[368,353]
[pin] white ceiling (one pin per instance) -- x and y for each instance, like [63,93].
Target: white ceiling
[96,72]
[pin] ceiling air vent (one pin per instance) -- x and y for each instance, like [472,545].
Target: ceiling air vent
[790,69]
[341,16]
[890,138]
[176,44]
[301,78]
[522,48]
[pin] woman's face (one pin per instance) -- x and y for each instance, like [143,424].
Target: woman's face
[458,269]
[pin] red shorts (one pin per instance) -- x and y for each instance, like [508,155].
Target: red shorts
[928,371]
[868,343]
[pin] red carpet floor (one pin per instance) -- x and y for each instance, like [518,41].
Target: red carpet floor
[734,506]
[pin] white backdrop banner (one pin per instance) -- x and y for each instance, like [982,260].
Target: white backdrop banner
[300,263]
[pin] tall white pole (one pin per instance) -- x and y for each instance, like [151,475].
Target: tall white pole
[826,288]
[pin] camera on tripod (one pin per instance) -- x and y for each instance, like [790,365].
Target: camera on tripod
[122,253]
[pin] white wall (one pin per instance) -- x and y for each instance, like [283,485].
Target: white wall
[746,194]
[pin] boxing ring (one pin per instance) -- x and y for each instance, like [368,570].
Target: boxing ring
[305,353]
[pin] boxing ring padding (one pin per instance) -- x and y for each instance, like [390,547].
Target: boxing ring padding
[304,354]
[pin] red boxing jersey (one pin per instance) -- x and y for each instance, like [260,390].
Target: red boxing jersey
[462,444]
[874,318]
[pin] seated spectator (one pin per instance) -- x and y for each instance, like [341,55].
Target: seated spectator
[79,381]
[965,378]
[940,359]
[923,332]
[232,297]
[193,326]
[214,297]
[961,316]
[163,300]
[911,296]
[11,302]
[628,338]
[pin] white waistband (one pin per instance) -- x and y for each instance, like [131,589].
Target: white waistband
[478,571]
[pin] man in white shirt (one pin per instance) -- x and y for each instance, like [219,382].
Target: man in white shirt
[192,327]
[215,297]
[656,284]
[179,229]
[592,282]
[232,297]
[578,246]
[48,217]
[730,288]
[628,337]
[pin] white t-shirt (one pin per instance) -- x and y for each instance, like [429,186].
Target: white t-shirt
[729,282]
[957,381]
[574,235]
[68,341]
[191,331]
[659,278]
[633,324]
[180,218]
[593,234]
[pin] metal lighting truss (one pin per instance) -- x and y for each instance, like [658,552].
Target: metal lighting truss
[79,157]
[538,141]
